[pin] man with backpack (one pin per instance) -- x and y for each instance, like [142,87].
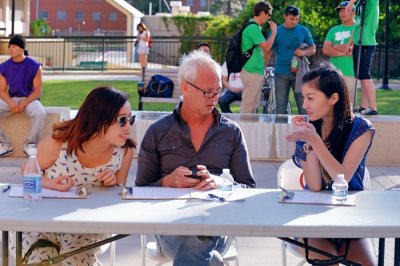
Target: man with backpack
[252,74]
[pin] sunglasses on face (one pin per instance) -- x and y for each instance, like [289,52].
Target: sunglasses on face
[123,120]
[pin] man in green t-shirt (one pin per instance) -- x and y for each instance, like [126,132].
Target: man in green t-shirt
[252,74]
[335,46]
[368,45]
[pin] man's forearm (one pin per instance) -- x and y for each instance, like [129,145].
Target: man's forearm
[5,96]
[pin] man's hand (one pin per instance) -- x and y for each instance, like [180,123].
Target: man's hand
[349,8]
[272,26]
[22,105]
[180,178]
[208,181]
[349,50]
[14,107]
[299,52]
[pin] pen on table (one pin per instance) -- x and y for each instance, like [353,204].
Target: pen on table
[6,188]
[216,197]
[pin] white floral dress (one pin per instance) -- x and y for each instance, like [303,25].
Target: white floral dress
[82,176]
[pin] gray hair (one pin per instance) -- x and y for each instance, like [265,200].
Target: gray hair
[190,64]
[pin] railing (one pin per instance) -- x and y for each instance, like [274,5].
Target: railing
[117,53]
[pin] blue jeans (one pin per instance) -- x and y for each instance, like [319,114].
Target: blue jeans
[228,98]
[191,251]
[283,82]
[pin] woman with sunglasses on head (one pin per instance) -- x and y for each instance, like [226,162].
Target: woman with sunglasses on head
[93,149]
[334,142]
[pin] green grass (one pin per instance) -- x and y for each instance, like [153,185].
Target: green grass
[72,93]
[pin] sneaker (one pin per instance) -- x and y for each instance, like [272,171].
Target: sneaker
[5,149]
[27,147]
[369,111]
[358,109]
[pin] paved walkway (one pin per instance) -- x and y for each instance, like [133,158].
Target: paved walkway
[252,250]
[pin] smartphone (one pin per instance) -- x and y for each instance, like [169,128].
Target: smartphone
[194,173]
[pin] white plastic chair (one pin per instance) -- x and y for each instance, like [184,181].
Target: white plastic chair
[292,177]
[151,251]
[112,246]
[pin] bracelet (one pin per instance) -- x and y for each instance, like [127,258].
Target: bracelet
[307,148]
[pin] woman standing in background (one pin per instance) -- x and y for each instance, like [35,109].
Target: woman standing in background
[142,44]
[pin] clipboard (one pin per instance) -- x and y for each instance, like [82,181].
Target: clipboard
[73,193]
[318,198]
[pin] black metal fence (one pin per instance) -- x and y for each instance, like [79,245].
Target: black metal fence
[117,53]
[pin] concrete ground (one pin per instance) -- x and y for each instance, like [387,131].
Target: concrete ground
[254,251]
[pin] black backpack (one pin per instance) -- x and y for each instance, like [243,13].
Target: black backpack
[235,59]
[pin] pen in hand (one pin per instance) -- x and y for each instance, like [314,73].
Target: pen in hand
[6,188]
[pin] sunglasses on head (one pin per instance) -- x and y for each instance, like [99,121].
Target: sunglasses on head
[123,120]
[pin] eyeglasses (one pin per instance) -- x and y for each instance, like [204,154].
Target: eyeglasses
[208,94]
[123,120]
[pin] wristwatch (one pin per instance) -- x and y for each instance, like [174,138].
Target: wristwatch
[307,148]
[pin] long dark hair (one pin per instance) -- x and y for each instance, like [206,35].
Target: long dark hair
[329,81]
[143,26]
[96,114]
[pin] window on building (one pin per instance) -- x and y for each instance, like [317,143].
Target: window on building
[79,16]
[43,14]
[113,16]
[61,15]
[96,16]
[203,3]
[189,2]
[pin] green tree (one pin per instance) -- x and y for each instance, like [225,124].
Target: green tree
[40,28]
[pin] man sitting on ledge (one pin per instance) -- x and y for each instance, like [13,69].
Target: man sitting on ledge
[23,76]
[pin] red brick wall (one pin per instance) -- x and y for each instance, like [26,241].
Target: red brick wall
[85,6]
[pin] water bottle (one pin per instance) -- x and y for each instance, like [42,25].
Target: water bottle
[294,64]
[32,178]
[340,188]
[226,183]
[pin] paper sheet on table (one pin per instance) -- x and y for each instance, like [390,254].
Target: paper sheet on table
[308,197]
[167,193]
[17,191]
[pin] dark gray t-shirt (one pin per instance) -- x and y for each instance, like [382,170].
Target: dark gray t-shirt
[167,145]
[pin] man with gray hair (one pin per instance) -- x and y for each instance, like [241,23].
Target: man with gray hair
[189,149]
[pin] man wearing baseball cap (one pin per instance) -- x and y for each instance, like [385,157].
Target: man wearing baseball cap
[20,89]
[335,46]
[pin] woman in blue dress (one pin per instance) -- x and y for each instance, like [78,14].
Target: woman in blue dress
[334,142]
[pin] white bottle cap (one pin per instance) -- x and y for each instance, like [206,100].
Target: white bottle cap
[340,176]
[225,170]
[32,151]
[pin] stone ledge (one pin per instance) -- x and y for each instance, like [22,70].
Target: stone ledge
[385,146]
[17,126]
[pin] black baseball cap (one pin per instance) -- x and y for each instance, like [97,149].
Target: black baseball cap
[343,5]
[292,10]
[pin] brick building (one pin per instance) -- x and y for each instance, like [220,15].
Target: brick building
[87,17]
